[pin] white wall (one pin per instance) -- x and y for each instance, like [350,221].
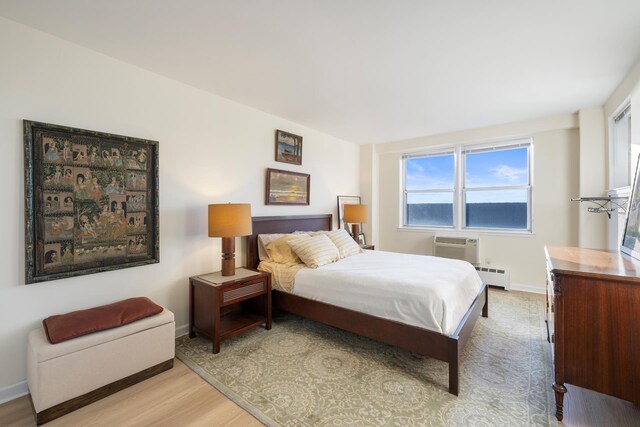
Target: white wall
[556,180]
[369,190]
[593,177]
[211,150]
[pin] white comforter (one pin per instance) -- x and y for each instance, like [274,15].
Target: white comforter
[424,291]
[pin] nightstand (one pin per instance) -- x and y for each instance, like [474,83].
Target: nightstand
[371,247]
[221,307]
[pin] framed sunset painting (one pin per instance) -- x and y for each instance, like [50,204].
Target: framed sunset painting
[287,188]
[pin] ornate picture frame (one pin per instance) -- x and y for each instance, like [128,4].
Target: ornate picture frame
[91,202]
[288,147]
[287,188]
[345,200]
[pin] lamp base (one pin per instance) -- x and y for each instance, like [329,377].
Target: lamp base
[228,256]
[355,230]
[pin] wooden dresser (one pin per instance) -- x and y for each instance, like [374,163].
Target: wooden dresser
[593,321]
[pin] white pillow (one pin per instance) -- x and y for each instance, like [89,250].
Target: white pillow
[344,242]
[315,251]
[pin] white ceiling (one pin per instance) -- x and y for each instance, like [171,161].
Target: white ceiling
[367,70]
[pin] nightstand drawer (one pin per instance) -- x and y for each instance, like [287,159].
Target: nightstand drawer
[245,290]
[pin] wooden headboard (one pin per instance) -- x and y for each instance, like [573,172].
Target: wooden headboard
[281,224]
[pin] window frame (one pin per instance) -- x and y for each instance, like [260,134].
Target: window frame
[623,110]
[460,189]
[454,190]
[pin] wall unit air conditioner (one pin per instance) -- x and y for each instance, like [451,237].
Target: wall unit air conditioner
[495,276]
[464,248]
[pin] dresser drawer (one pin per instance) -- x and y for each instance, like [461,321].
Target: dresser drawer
[242,291]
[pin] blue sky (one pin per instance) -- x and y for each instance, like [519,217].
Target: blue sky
[485,169]
[497,168]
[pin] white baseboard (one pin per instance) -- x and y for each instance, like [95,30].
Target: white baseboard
[527,288]
[13,391]
[182,330]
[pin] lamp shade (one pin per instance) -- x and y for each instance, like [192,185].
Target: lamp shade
[356,214]
[230,220]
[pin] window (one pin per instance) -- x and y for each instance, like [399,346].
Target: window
[624,155]
[470,187]
[430,189]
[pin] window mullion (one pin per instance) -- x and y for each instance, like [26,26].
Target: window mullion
[460,184]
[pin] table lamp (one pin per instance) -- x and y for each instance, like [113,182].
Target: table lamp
[355,215]
[229,221]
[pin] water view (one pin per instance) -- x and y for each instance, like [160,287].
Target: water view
[480,215]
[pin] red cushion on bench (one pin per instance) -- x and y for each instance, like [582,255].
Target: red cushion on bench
[64,327]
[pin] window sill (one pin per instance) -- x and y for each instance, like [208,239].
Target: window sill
[620,191]
[465,232]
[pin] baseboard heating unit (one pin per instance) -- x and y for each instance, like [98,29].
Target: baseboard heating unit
[494,276]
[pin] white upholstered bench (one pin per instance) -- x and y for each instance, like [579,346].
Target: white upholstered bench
[66,376]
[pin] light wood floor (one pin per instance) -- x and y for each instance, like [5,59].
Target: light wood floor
[179,397]
[584,407]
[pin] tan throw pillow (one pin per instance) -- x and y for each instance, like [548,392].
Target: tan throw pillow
[344,242]
[315,251]
[265,239]
[263,242]
[280,251]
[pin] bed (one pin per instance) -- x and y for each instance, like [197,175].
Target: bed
[445,347]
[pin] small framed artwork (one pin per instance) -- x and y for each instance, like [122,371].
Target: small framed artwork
[345,200]
[287,188]
[288,147]
[361,240]
[631,236]
[91,202]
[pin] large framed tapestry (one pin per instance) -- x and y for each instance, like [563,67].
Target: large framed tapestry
[91,202]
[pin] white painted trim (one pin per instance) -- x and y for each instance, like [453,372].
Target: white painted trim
[182,330]
[527,288]
[13,391]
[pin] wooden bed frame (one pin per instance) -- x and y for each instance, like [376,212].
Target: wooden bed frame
[418,340]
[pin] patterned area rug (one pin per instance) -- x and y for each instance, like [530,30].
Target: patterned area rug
[303,373]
